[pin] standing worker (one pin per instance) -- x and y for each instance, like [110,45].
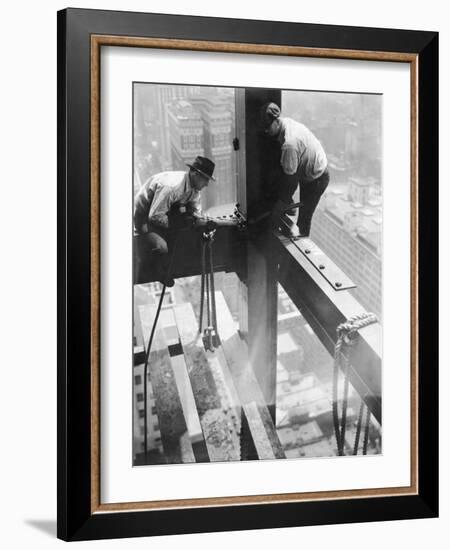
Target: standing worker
[303,163]
[154,202]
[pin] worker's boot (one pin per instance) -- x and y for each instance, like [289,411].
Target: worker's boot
[161,268]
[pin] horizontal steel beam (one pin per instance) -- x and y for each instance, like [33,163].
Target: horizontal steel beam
[325,308]
[324,265]
[229,255]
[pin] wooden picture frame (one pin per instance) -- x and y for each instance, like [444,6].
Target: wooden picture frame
[81,35]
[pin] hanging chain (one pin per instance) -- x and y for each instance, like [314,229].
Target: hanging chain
[346,333]
[215,336]
[210,337]
[202,289]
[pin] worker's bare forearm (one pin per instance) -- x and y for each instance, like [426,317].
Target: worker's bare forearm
[142,203]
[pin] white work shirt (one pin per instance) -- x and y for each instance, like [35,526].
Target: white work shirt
[300,150]
[168,188]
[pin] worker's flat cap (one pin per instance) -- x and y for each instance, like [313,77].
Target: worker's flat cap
[269,112]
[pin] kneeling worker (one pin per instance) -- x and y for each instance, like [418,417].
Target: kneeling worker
[153,204]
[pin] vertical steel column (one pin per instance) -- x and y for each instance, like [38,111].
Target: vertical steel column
[262,159]
[239,146]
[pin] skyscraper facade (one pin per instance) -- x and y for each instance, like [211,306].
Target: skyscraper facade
[347,226]
[174,124]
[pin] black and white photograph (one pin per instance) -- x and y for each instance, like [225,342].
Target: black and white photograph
[221,275]
[257,274]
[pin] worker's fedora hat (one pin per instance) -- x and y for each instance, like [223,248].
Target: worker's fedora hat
[204,166]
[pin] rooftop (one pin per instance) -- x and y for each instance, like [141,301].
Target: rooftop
[361,220]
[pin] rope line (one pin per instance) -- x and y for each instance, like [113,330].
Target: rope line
[149,345]
[147,355]
[346,337]
[358,427]
[366,431]
[344,406]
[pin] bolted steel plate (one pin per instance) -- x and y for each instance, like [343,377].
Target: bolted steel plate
[328,269]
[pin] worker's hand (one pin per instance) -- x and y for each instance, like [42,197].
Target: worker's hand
[160,220]
[200,221]
[211,225]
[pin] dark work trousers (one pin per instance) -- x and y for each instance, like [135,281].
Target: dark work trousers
[153,253]
[310,193]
